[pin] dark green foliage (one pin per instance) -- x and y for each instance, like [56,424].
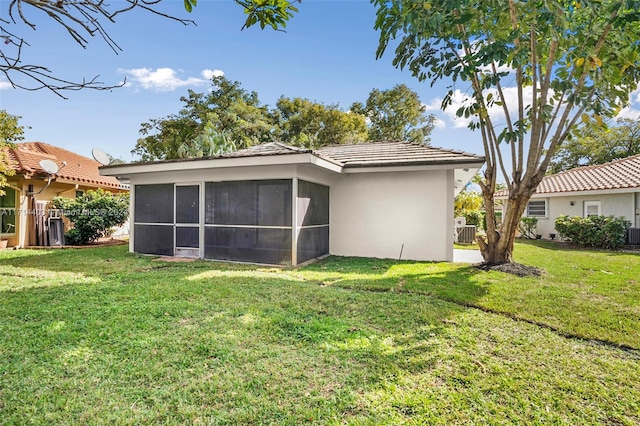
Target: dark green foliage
[595,143]
[93,215]
[528,227]
[396,114]
[473,217]
[606,232]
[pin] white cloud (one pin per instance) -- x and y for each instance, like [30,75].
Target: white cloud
[460,99]
[165,79]
[629,112]
[209,74]
[439,124]
[635,95]
[5,85]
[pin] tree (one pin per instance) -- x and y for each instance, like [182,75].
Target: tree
[598,144]
[468,204]
[227,109]
[396,114]
[10,132]
[84,19]
[569,60]
[311,124]
[207,144]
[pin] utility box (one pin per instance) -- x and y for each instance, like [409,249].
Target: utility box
[633,236]
[467,234]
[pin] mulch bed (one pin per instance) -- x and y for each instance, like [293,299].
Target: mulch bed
[512,268]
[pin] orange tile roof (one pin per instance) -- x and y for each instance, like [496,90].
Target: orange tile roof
[26,157]
[618,174]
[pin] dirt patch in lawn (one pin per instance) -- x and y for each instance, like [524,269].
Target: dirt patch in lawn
[512,268]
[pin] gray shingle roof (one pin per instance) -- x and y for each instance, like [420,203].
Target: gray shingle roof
[378,154]
[395,153]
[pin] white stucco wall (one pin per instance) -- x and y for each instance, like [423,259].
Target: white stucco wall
[371,214]
[617,204]
[382,214]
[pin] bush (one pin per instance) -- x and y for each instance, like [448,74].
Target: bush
[92,215]
[528,227]
[606,232]
[473,217]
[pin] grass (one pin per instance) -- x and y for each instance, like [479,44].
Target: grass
[101,336]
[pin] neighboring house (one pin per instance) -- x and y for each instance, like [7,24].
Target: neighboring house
[277,204]
[605,189]
[22,208]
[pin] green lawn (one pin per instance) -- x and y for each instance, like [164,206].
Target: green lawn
[100,336]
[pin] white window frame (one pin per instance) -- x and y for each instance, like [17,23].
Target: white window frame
[546,208]
[588,204]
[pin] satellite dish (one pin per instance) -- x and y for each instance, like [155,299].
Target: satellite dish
[101,157]
[49,166]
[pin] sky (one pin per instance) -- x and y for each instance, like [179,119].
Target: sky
[327,54]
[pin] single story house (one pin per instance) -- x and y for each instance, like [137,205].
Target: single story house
[278,204]
[611,189]
[23,206]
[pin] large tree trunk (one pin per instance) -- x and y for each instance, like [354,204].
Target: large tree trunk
[497,247]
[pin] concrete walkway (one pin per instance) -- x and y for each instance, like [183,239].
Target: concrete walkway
[467,256]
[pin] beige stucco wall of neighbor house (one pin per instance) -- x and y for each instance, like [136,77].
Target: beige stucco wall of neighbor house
[21,237]
[384,214]
[616,204]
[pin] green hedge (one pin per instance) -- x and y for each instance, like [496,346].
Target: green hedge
[93,215]
[606,232]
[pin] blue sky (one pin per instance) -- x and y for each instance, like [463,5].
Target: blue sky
[327,54]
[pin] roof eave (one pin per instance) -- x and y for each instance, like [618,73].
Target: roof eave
[280,159]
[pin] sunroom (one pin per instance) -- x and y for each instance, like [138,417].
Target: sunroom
[280,205]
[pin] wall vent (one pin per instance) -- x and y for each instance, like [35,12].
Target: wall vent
[633,236]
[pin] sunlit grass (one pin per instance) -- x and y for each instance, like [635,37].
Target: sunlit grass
[102,336]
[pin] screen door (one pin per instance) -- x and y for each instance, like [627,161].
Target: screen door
[187,226]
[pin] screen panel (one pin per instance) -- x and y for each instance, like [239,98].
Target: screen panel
[187,237]
[312,243]
[312,204]
[258,245]
[154,203]
[253,203]
[188,204]
[153,239]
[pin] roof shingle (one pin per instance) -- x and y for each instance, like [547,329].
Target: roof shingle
[26,157]
[618,174]
[394,153]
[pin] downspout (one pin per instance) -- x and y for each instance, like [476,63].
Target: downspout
[636,208]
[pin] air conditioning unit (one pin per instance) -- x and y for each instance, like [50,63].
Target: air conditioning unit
[633,236]
[467,234]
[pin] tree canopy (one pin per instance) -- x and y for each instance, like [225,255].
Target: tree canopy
[312,124]
[10,132]
[598,144]
[533,70]
[229,117]
[84,19]
[396,114]
[227,108]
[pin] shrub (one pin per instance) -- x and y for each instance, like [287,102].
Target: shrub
[528,226]
[93,215]
[606,232]
[473,217]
